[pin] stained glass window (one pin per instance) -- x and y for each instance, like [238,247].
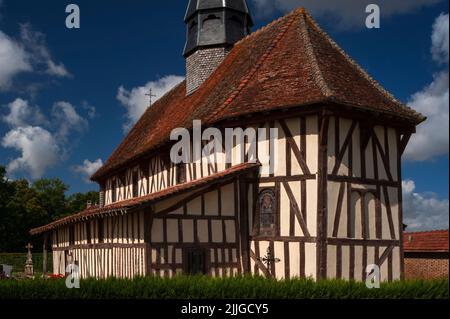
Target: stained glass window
[267,212]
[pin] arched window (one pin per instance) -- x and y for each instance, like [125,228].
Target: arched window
[267,204]
[212,22]
[210,18]
[363,210]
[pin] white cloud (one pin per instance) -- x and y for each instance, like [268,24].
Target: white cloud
[13,60]
[29,53]
[39,150]
[431,139]
[35,43]
[67,119]
[88,168]
[345,13]
[135,100]
[22,114]
[440,39]
[423,211]
[64,118]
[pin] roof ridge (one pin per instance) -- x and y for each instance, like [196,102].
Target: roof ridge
[158,101]
[271,24]
[426,231]
[352,62]
[246,79]
[311,55]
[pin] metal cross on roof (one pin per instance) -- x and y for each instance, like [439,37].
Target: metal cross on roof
[150,95]
[269,259]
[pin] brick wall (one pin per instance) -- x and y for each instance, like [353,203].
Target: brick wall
[201,64]
[426,265]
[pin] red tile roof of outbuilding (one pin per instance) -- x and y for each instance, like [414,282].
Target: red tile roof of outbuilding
[289,63]
[430,241]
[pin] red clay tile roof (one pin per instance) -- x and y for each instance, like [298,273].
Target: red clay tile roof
[289,63]
[124,206]
[431,241]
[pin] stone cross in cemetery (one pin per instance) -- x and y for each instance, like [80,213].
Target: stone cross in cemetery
[29,263]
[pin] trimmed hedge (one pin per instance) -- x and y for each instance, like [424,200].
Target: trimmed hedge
[200,287]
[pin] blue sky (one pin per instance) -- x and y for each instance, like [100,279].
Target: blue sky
[67,96]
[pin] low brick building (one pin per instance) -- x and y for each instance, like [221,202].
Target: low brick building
[426,254]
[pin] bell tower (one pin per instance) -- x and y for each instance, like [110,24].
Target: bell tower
[213,27]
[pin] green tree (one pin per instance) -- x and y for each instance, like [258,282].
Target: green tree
[78,201]
[24,206]
[25,211]
[51,194]
[6,192]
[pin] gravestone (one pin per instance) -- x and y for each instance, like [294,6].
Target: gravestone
[6,270]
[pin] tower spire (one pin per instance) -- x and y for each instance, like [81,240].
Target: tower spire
[213,27]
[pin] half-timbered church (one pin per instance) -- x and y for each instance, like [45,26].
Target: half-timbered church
[331,206]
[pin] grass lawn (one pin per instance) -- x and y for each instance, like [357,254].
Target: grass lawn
[202,287]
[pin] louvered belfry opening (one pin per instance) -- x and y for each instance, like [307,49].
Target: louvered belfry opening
[213,27]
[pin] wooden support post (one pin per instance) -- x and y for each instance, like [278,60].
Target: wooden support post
[321,262]
[44,256]
[401,146]
[243,221]
[148,220]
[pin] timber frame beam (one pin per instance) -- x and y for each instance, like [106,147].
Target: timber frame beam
[322,185]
